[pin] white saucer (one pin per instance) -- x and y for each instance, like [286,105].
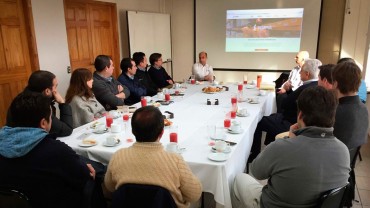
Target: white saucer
[251,102]
[226,150]
[100,132]
[248,86]
[86,145]
[235,132]
[110,145]
[218,157]
[242,115]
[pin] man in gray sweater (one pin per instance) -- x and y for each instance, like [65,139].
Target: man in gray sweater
[301,168]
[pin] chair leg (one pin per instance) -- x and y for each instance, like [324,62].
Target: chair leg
[359,155]
[202,200]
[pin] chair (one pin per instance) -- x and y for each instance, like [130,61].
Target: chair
[334,198]
[142,196]
[12,198]
[350,196]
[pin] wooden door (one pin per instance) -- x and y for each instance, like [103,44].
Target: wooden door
[78,33]
[15,66]
[92,31]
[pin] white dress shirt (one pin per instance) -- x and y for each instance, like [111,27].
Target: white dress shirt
[295,78]
[200,71]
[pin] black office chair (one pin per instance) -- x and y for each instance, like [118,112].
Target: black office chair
[350,196]
[12,198]
[142,196]
[334,198]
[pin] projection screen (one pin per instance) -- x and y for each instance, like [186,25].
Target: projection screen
[256,34]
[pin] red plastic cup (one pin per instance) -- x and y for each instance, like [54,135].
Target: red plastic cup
[240,87]
[233,114]
[177,92]
[234,100]
[143,102]
[245,82]
[126,117]
[167,97]
[259,80]
[109,121]
[227,123]
[173,137]
[192,81]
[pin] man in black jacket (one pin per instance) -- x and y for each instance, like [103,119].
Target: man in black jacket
[46,83]
[280,122]
[142,73]
[108,91]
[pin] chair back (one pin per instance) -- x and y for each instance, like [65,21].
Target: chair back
[12,198]
[142,196]
[333,198]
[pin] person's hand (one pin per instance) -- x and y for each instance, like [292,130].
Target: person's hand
[293,128]
[92,171]
[58,98]
[281,91]
[121,95]
[287,86]
[209,77]
[120,88]
[170,81]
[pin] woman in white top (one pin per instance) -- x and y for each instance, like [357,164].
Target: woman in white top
[85,107]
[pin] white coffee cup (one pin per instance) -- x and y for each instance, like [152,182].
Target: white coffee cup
[100,127]
[242,111]
[220,146]
[254,99]
[160,95]
[110,140]
[263,92]
[235,126]
[172,147]
[115,128]
[114,113]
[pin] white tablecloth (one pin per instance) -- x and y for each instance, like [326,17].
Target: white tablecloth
[192,116]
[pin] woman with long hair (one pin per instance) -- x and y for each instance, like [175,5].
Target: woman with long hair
[85,107]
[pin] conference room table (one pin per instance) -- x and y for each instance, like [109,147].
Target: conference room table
[192,115]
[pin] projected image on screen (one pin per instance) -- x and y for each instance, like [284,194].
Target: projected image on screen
[264,30]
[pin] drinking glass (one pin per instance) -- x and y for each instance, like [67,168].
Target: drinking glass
[174,133]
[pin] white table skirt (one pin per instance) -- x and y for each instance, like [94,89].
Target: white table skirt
[192,116]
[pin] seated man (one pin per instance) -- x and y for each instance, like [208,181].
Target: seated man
[142,74]
[326,76]
[149,163]
[351,120]
[362,91]
[301,168]
[202,70]
[294,80]
[49,172]
[108,91]
[128,78]
[158,73]
[280,122]
[46,83]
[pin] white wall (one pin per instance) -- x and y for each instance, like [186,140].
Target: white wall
[51,39]
[355,28]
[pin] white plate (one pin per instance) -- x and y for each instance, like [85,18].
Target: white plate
[242,115]
[86,145]
[111,145]
[226,150]
[218,157]
[235,132]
